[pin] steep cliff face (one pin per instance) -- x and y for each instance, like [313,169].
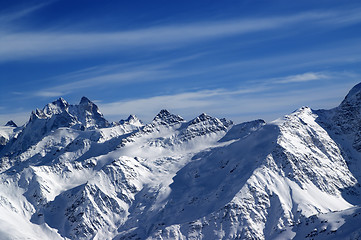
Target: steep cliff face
[70,174]
[343,123]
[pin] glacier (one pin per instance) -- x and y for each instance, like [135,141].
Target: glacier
[68,173]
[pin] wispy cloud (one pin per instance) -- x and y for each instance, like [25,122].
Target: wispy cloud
[115,75]
[344,52]
[343,17]
[160,69]
[9,16]
[304,77]
[32,44]
[123,77]
[187,102]
[248,102]
[254,101]
[49,93]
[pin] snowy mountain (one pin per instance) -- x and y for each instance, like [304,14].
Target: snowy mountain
[8,132]
[70,174]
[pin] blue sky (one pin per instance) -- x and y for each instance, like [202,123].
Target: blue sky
[237,59]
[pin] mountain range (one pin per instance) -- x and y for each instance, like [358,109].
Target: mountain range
[68,173]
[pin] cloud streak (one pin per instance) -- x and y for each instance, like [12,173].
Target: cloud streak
[33,44]
[305,77]
[345,52]
[9,17]
[262,99]
[115,75]
[161,69]
[256,101]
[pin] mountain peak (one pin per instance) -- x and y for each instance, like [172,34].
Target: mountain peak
[37,113]
[133,120]
[132,117]
[203,117]
[85,100]
[56,107]
[163,112]
[60,102]
[11,123]
[353,97]
[88,114]
[164,117]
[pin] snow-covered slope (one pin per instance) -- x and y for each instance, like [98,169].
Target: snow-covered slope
[70,174]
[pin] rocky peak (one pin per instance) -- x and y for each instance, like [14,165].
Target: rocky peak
[226,122]
[11,123]
[56,107]
[59,114]
[346,117]
[209,120]
[350,108]
[37,114]
[164,117]
[132,120]
[204,125]
[63,114]
[86,104]
[88,114]
[85,101]
[353,97]
[202,117]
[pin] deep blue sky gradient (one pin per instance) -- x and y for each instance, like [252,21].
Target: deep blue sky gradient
[236,59]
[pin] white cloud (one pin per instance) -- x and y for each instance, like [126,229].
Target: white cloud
[305,77]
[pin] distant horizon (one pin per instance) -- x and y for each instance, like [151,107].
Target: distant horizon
[149,120]
[242,60]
